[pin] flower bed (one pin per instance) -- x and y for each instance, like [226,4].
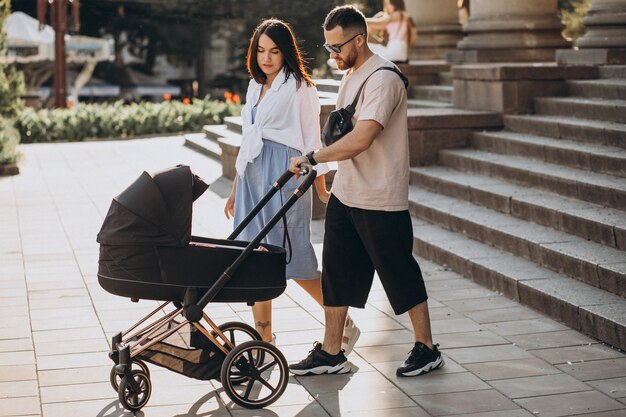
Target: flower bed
[119,120]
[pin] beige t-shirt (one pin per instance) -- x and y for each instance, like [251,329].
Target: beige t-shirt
[378,178]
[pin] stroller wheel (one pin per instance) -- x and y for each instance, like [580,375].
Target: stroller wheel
[134,398]
[263,381]
[238,332]
[116,378]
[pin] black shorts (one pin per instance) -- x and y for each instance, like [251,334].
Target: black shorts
[357,242]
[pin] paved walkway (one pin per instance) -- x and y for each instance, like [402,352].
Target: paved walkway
[502,359]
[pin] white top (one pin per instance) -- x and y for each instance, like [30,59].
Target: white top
[286,115]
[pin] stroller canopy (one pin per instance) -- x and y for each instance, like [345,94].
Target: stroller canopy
[154,210]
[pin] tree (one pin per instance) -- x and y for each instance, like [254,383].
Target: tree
[11,103]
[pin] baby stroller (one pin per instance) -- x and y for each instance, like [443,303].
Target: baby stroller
[147,252]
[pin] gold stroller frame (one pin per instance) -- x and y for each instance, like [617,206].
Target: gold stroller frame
[244,364]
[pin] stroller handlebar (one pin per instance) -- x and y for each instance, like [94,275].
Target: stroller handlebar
[310,175]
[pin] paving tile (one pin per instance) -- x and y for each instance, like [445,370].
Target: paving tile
[17,372]
[613,387]
[479,304]
[84,333]
[569,404]
[77,392]
[365,392]
[73,346]
[599,369]
[487,354]
[503,314]
[387,353]
[550,339]
[108,407]
[389,337]
[15,389]
[577,354]
[74,360]
[19,406]
[464,402]
[439,383]
[539,385]
[454,326]
[469,339]
[517,368]
[507,328]
[17,358]
[15,345]
[507,413]
[70,376]
[614,413]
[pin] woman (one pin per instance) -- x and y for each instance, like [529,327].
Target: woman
[395,20]
[280,120]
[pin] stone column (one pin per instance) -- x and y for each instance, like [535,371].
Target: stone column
[605,40]
[510,31]
[438,28]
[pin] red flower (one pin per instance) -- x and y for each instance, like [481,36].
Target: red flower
[186,101]
[167,96]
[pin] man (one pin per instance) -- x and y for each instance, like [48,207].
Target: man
[368,226]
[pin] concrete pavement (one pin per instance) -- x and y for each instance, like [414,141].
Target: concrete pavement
[502,359]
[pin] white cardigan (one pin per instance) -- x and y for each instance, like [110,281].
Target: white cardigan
[286,115]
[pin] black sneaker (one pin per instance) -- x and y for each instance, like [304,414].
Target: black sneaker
[320,362]
[420,361]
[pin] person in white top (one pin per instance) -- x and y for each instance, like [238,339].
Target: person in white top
[280,120]
[395,20]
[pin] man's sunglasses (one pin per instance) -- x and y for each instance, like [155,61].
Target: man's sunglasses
[337,48]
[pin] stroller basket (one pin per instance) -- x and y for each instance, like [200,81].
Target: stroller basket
[186,352]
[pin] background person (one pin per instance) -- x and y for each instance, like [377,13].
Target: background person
[395,21]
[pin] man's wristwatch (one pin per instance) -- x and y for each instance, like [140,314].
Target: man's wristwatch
[312,160]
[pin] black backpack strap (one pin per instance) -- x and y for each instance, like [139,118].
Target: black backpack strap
[394,69]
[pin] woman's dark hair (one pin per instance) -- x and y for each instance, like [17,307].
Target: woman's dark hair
[398,5]
[282,35]
[347,17]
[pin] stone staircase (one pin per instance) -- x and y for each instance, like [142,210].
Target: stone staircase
[537,211]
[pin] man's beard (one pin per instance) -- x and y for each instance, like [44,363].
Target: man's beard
[347,63]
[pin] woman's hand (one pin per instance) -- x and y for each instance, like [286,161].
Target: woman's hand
[229,208]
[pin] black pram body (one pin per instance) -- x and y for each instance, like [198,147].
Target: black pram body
[147,250]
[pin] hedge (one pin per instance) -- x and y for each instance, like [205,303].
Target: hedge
[119,120]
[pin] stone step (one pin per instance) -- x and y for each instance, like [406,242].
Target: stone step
[218,131]
[327,85]
[584,130]
[586,220]
[607,88]
[589,262]
[612,71]
[445,78]
[202,144]
[593,311]
[597,158]
[602,189]
[234,124]
[425,104]
[441,93]
[585,108]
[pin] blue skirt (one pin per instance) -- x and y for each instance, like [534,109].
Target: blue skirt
[258,179]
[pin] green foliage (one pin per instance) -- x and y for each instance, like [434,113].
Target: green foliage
[120,120]
[11,91]
[572,14]
[9,139]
